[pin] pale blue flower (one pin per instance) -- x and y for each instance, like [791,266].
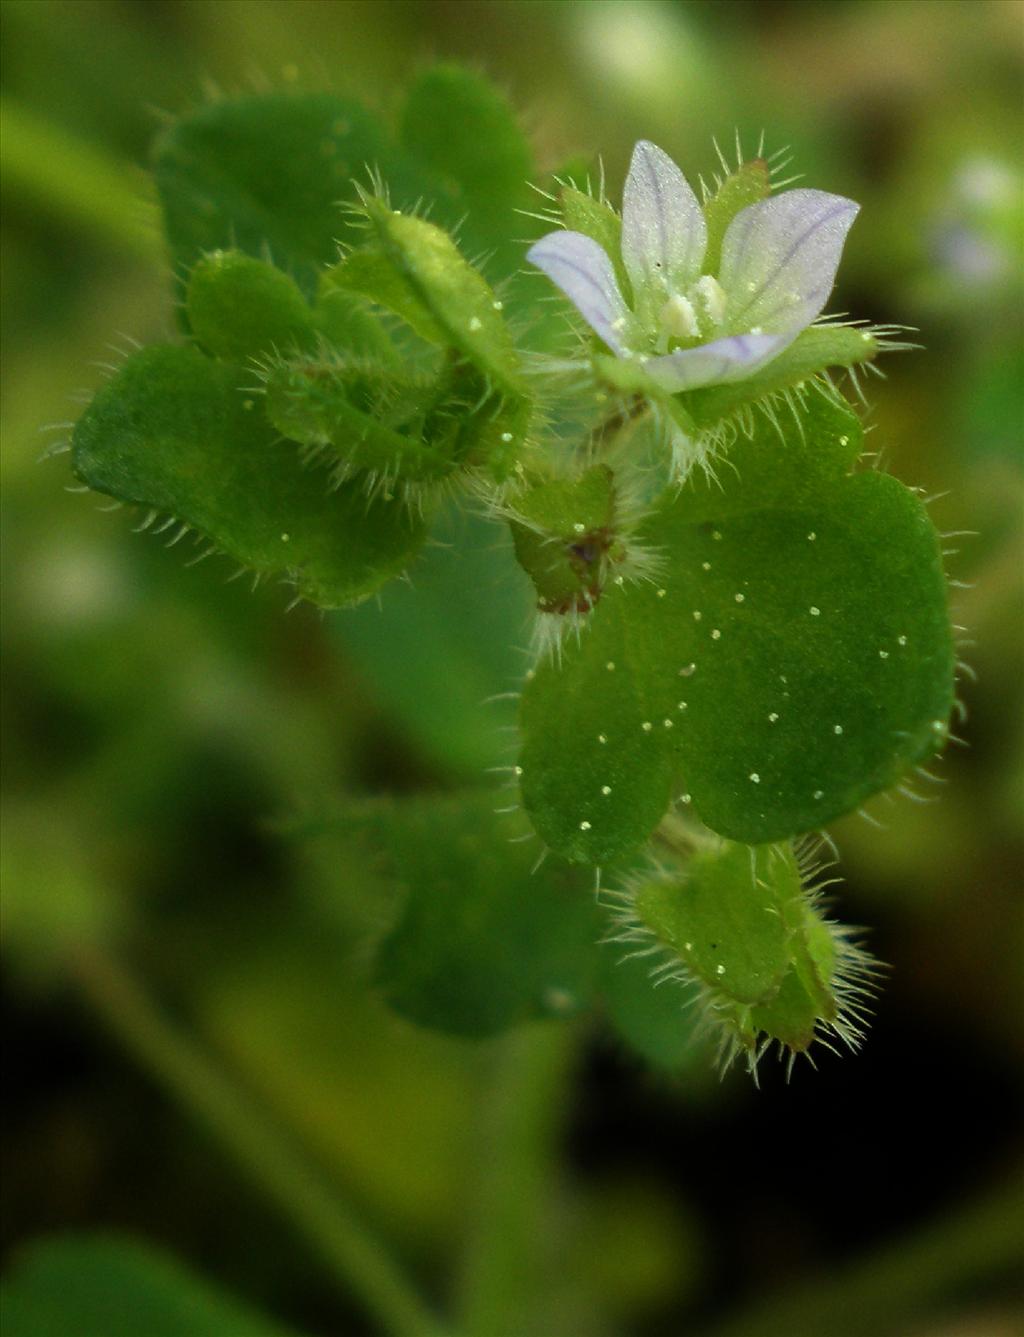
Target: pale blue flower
[687,327]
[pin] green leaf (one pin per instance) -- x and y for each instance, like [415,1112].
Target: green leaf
[239,307]
[433,655]
[173,432]
[652,1018]
[482,941]
[96,1286]
[778,463]
[266,175]
[457,124]
[748,184]
[595,781]
[794,661]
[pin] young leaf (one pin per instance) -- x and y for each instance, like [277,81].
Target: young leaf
[736,928]
[369,273]
[239,307]
[563,537]
[482,942]
[98,1286]
[460,302]
[173,432]
[723,918]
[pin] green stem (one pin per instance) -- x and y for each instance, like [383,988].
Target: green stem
[77,182]
[357,1259]
[520,1125]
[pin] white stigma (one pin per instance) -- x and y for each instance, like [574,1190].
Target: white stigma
[711,296]
[678,318]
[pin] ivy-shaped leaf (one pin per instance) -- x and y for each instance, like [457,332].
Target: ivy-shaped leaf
[793,661]
[482,941]
[460,127]
[266,174]
[173,432]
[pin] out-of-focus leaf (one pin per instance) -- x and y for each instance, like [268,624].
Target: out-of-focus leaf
[483,941]
[457,124]
[267,175]
[95,1286]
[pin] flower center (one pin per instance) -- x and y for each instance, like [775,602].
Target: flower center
[696,315]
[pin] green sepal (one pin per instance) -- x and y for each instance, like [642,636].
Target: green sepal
[460,126]
[238,308]
[723,917]
[748,184]
[482,941]
[599,221]
[811,353]
[371,419]
[564,536]
[173,432]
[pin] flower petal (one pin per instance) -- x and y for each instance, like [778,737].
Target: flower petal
[581,268]
[779,260]
[664,234]
[710,364]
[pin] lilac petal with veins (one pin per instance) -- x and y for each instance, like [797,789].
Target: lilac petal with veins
[581,268]
[728,359]
[779,260]
[664,234]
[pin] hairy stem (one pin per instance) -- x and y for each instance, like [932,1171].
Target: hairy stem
[358,1260]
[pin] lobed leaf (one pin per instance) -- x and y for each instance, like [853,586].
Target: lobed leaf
[796,660]
[482,941]
[173,432]
[266,175]
[462,128]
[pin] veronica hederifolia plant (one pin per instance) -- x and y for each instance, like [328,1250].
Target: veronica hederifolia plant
[741,633]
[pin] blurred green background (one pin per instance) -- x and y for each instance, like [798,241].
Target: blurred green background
[160,723]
